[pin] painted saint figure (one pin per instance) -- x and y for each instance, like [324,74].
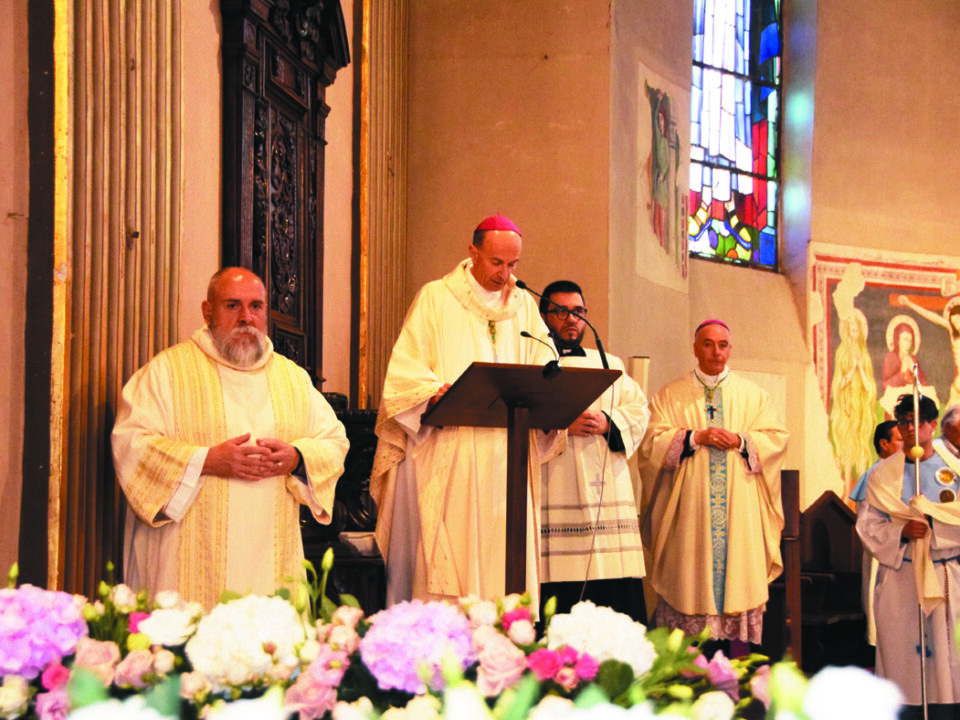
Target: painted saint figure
[853,396]
[949,321]
[903,344]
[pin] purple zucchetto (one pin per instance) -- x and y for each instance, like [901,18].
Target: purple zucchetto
[711,321]
[498,222]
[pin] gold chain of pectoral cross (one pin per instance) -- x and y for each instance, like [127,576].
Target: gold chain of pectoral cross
[492,328]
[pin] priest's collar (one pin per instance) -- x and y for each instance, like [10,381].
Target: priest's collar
[567,348]
[711,380]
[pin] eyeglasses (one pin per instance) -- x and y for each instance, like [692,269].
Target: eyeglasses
[562,313]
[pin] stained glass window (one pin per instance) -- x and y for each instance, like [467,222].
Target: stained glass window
[734,131]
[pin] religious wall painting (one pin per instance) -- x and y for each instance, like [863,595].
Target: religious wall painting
[663,117]
[881,318]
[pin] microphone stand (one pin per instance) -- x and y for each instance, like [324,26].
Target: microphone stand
[596,336]
[552,368]
[916,452]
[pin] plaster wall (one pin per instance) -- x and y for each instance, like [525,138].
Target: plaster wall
[14,206]
[509,106]
[200,250]
[886,163]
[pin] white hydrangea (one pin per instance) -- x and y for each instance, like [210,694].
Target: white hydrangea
[239,641]
[839,693]
[604,634]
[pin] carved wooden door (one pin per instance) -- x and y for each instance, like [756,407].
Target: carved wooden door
[279,56]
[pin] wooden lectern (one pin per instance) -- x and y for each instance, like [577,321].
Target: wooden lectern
[518,398]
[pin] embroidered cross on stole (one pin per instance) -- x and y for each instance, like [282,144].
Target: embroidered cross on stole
[713,398]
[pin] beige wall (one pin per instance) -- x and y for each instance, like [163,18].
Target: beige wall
[886,163]
[201,195]
[509,113]
[14,200]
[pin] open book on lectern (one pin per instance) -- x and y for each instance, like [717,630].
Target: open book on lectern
[484,394]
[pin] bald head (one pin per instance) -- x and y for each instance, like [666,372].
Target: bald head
[711,345]
[236,313]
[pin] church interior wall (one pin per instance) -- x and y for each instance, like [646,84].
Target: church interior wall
[524,109]
[509,113]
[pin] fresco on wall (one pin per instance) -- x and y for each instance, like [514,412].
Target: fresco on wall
[663,113]
[880,317]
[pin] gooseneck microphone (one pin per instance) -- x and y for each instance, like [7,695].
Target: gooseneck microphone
[552,368]
[596,336]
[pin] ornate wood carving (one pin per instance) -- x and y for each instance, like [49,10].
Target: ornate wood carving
[279,56]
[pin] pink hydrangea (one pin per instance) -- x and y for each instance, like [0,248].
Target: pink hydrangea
[37,627]
[409,635]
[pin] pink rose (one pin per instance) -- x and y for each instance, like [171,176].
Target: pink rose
[760,685]
[501,665]
[346,615]
[699,661]
[54,676]
[511,616]
[194,687]
[98,656]
[722,676]
[566,678]
[311,697]
[544,663]
[568,655]
[53,705]
[132,668]
[133,621]
[344,637]
[164,661]
[586,667]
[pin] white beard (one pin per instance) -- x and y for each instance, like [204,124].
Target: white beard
[233,347]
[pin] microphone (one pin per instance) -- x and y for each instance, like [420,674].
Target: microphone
[552,368]
[596,336]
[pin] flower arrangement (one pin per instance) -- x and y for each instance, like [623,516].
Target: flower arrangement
[126,655]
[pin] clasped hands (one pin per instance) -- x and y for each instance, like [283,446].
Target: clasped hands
[234,458]
[718,438]
[589,423]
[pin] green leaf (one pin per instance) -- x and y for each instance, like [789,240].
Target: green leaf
[85,688]
[517,705]
[350,601]
[228,595]
[591,695]
[165,697]
[614,677]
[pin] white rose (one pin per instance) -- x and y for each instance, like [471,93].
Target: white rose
[123,598]
[360,709]
[423,707]
[168,626]
[167,599]
[14,696]
[483,613]
[714,705]
[522,632]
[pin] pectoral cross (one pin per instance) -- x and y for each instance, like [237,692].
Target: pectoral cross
[711,410]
